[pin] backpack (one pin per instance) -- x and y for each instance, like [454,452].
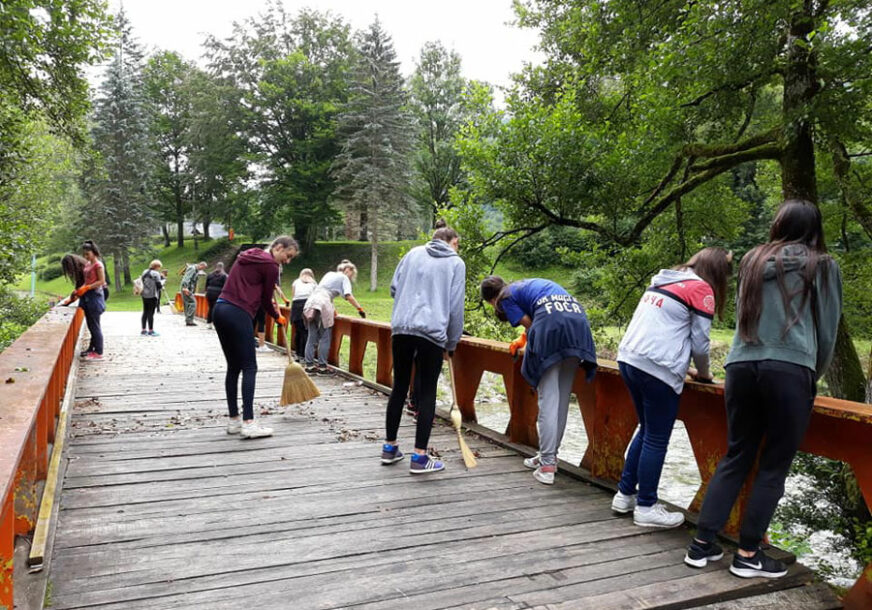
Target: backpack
[137,286]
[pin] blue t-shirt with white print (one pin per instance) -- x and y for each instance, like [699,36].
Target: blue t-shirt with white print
[524,295]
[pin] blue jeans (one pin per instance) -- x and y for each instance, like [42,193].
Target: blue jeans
[319,337]
[656,405]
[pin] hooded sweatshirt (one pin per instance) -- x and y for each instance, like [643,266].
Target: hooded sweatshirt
[251,282]
[811,340]
[671,324]
[428,288]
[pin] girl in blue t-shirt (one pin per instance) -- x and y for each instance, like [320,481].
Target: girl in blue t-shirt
[557,340]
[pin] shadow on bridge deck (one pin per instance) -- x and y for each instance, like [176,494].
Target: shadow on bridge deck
[161,509]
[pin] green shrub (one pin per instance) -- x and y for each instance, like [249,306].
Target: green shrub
[50,272]
[17,314]
[546,249]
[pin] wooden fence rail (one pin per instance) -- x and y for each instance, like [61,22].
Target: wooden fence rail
[33,379]
[839,429]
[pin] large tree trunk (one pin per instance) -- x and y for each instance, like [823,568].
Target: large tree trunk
[364,228]
[206,222]
[180,227]
[373,256]
[166,234]
[117,264]
[125,257]
[845,376]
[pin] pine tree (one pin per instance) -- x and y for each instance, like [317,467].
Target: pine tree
[373,167]
[116,213]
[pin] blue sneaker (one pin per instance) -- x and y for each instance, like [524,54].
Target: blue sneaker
[391,454]
[423,464]
[152,333]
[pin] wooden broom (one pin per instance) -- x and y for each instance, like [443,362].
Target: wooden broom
[456,419]
[296,387]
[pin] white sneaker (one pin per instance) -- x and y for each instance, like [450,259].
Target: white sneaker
[234,426]
[209,326]
[262,348]
[532,462]
[623,503]
[252,429]
[546,476]
[656,516]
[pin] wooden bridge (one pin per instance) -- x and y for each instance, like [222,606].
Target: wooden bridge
[156,507]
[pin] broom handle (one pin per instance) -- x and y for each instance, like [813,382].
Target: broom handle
[453,389]
[287,342]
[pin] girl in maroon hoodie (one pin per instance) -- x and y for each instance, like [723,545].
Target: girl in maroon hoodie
[249,286]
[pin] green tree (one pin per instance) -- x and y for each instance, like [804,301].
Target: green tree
[642,108]
[43,97]
[116,210]
[167,87]
[436,101]
[292,77]
[218,156]
[373,168]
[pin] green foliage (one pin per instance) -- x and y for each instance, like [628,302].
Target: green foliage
[284,79]
[372,170]
[548,248]
[863,542]
[856,267]
[50,271]
[17,314]
[217,249]
[436,101]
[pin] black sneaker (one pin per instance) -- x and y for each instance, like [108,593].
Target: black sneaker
[758,565]
[699,554]
[326,371]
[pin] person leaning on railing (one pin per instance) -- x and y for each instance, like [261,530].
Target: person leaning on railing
[319,311]
[89,276]
[428,287]
[249,285]
[670,326]
[558,341]
[788,309]
[302,289]
[214,285]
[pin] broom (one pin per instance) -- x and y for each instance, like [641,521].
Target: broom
[468,456]
[296,387]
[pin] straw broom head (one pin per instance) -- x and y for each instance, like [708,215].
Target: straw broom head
[297,387]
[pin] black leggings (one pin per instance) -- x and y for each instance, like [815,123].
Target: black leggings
[766,398]
[234,332]
[210,298]
[427,357]
[148,308]
[302,334]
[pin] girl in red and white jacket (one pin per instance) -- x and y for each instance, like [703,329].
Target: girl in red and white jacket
[670,325]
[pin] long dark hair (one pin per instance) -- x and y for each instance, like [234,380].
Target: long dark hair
[714,266]
[495,287]
[73,267]
[798,223]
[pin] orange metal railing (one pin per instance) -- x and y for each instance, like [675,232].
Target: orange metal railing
[33,379]
[839,429]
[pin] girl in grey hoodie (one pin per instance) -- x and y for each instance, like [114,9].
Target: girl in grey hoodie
[670,325]
[428,288]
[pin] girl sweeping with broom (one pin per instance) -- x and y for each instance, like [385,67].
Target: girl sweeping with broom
[558,341]
[428,288]
[249,285]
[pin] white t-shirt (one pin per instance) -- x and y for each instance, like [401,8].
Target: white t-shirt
[337,284]
[302,289]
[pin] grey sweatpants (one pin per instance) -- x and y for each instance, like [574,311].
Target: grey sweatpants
[554,389]
[319,337]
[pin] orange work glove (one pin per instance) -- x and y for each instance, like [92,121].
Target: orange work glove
[81,290]
[282,321]
[518,344]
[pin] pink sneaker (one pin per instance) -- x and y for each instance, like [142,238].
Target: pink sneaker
[94,356]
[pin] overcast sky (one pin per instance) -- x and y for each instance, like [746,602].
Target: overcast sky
[479,30]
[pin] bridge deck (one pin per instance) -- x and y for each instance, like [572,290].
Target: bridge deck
[161,509]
